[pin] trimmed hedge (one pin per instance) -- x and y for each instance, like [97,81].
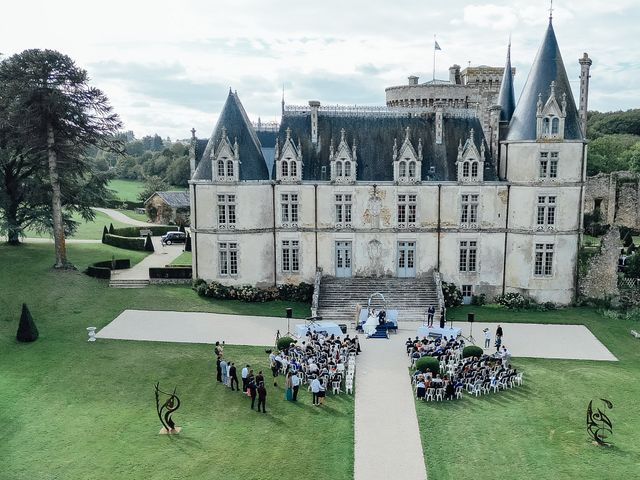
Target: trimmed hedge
[170,272]
[128,243]
[148,244]
[187,243]
[248,293]
[156,230]
[27,330]
[472,351]
[103,269]
[284,342]
[428,363]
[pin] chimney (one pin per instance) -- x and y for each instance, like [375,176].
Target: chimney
[315,105]
[413,80]
[585,65]
[192,151]
[454,74]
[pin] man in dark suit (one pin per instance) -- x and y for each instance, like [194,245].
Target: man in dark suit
[262,397]
[382,317]
[233,374]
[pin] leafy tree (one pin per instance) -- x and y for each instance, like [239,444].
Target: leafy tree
[152,184]
[52,113]
[608,153]
[633,266]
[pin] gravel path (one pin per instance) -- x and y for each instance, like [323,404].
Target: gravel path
[121,217]
[163,255]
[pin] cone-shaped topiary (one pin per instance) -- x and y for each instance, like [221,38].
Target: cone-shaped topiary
[27,330]
[428,363]
[111,229]
[148,244]
[104,233]
[187,243]
[472,351]
[284,342]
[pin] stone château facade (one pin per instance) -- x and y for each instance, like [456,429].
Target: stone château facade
[386,191]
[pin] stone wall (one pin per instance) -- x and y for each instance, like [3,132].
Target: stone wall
[601,277]
[616,195]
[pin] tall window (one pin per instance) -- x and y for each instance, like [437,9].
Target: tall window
[474,169]
[290,256]
[555,126]
[338,169]
[465,169]
[221,168]
[294,169]
[545,126]
[544,260]
[468,255]
[406,209]
[343,208]
[229,168]
[289,207]
[226,211]
[412,169]
[285,168]
[546,210]
[347,169]
[402,169]
[548,165]
[228,258]
[469,211]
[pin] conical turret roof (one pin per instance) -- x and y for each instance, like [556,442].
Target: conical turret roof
[547,67]
[234,118]
[507,97]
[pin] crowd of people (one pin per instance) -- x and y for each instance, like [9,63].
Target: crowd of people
[323,363]
[478,375]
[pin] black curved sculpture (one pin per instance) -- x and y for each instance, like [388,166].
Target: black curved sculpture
[599,425]
[166,409]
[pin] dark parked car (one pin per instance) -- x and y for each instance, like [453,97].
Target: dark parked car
[173,237]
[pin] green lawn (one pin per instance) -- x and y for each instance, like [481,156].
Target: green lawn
[136,216]
[127,190]
[86,230]
[537,431]
[183,259]
[78,410]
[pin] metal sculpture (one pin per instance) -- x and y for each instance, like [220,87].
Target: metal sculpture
[167,408]
[599,425]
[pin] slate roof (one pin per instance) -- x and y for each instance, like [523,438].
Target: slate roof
[506,97]
[374,136]
[234,118]
[174,199]
[547,67]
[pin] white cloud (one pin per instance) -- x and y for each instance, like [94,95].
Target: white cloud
[491,16]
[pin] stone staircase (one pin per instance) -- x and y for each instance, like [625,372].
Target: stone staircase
[410,296]
[128,283]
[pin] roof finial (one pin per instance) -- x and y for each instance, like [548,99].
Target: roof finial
[288,133]
[342,134]
[193,133]
[551,11]
[283,99]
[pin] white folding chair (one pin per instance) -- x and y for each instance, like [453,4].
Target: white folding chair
[440,394]
[459,392]
[430,394]
[348,387]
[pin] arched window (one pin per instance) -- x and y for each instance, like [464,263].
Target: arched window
[412,169]
[221,168]
[229,168]
[338,169]
[465,169]
[402,169]
[555,126]
[294,169]
[545,126]
[285,168]
[474,169]
[347,169]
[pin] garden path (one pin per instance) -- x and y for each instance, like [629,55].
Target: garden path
[121,217]
[162,256]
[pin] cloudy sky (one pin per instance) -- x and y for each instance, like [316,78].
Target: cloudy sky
[167,65]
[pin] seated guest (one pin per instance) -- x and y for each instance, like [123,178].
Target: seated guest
[421,389]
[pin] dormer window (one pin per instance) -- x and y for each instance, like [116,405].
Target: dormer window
[407,162]
[288,160]
[343,161]
[551,116]
[470,160]
[225,159]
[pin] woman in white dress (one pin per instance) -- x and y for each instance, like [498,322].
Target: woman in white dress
[372,322]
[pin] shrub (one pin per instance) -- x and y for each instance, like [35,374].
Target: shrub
[428,363]
[111,229]
[284,342]
[170,272]
[27,330]
[248,293]
[156,230]
[105,232]
[128,243]
[513,301]
[148,244]
[187,243]
[452,295]
[296,293]
[472,351]
[479,300]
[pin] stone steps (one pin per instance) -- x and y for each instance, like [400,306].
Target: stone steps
[124,283]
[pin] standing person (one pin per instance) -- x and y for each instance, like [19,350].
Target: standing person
[244,374]
[259,378]
[357,341]
[322,393]
[234,377]
[295,384]
[218,349]
[228,382]
[498,338]
[443,317]
[253,389]
[315,389]
[275,368]
[487,338]
[218,369]
[288,387]
[223,371]
[431,311]
[262,397]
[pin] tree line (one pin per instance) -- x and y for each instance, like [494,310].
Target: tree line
[614,141]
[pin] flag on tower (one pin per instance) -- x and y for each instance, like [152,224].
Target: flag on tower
[436,46]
